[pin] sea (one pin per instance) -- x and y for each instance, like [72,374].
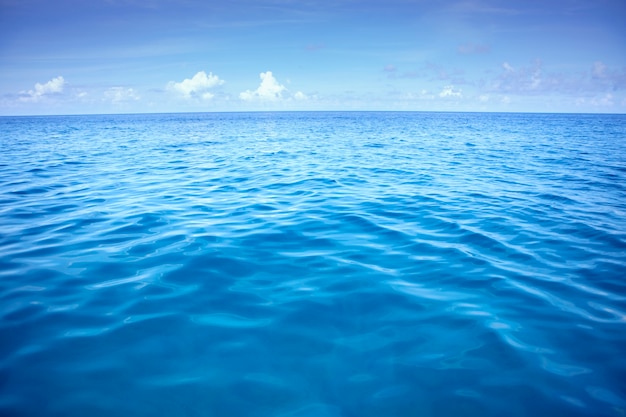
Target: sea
[313,264]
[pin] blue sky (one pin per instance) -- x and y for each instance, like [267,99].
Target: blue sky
[121,56]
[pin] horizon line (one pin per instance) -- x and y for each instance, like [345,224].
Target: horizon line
[309,111]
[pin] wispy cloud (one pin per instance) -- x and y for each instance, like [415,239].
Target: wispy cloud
[599,70]
[606,100]
[473,49]
[54,86]
[524,80]
[428,71]
[198,86]
[396,75]
[450,91]
[533,79]
[117,95]
[611,78]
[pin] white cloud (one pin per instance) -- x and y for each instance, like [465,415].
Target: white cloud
[604,101]
[269,90]
[610,79]
[300,96]
[53,86]
[413,96]
[121,94]
[526,80]
[449,91]
[197,86]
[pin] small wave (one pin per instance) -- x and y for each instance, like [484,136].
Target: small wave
[312,264]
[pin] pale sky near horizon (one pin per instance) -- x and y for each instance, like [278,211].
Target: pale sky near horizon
[137,56]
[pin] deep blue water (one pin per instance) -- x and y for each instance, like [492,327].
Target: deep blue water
[313,265]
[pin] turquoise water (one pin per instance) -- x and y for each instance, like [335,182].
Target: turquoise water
[313,264]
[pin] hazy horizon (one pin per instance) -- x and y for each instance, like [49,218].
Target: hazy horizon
[311,111]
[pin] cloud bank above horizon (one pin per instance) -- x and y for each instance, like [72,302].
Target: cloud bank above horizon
[484,55]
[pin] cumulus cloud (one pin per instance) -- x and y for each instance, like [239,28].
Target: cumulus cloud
[54,86]
[198,86]
[269,90]
[121,95]
[300,96]
[450,91]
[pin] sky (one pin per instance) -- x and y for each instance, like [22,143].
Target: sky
[152,56]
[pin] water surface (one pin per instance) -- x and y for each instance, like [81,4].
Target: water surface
[313,264]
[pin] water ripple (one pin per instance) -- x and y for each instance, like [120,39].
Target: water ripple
[313,264]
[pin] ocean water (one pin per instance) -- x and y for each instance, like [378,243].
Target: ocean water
[313,265]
